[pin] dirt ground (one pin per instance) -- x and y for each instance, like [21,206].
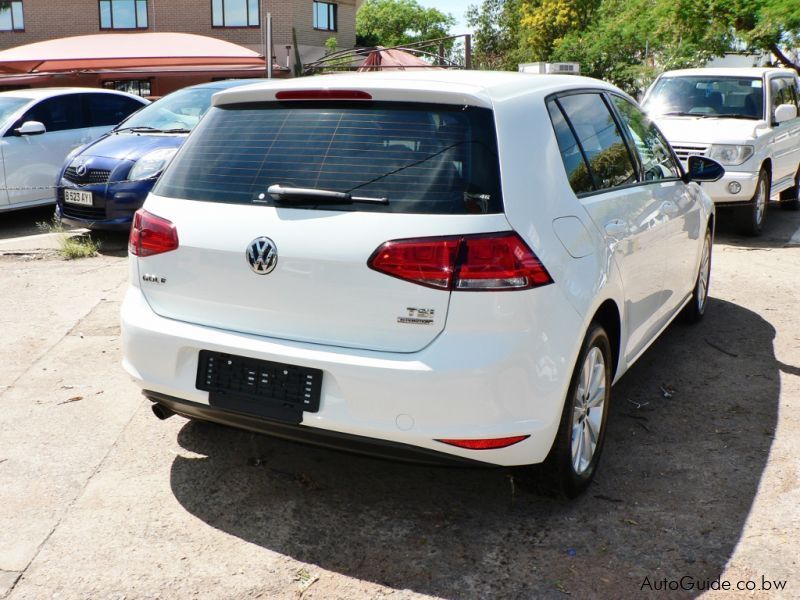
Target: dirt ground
[699,482]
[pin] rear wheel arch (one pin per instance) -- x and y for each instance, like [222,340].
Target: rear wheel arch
[608,317]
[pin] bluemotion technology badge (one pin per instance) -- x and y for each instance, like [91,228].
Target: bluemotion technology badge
[262,255]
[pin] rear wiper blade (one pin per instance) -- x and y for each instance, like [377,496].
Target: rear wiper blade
[295,195]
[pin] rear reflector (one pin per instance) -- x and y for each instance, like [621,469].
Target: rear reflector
[489,444]
[323,95]
[483,262]
[151,235]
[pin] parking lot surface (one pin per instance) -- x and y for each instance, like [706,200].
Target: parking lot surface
[699,482]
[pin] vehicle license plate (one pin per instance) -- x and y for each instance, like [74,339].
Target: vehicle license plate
[78,197]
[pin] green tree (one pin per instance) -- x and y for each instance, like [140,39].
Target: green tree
[771,25]
[496,43]
[545,23]
[629,42]
[397,22]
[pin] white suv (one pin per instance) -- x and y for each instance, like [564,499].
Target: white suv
[448,266]
[747,119]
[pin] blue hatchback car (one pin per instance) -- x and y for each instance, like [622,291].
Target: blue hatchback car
[104,182]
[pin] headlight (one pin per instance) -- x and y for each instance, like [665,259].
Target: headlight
[151,164]
[729,155]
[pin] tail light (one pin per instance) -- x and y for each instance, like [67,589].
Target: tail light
[483,262]
[486,444]
[151,235]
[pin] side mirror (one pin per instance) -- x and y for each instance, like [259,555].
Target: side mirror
[31,128]
[702,169]
[785,112]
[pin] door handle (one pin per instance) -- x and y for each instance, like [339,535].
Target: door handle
[616,228]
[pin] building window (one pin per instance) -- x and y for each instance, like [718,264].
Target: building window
[235,13]
[11,18]
[140,87]
[123,14]
[325,16]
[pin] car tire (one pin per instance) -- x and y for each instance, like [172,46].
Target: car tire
[571,464]
[751,217]
[790,199]
[694,311]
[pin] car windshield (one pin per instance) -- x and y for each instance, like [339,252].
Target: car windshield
[712,97]
[382,157]
[8,106]
[180,110]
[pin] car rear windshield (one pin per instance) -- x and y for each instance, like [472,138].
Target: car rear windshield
[430,159]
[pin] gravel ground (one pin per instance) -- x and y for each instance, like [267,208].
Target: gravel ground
[98,499]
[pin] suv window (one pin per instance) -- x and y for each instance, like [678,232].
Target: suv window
[653,149]
[609,159]
[59,113]
[425,158]
[110,109]
[784,91]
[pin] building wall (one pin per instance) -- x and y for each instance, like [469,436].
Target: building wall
[46,20]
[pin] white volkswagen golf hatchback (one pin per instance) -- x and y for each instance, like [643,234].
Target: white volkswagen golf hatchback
[449,266]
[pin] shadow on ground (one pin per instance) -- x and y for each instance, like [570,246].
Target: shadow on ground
[689,434]
[780,225]
[20,223]
[111,243]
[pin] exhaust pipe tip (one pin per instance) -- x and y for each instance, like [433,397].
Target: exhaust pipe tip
[161,411]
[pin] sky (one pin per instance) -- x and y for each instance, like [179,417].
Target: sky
[457,8]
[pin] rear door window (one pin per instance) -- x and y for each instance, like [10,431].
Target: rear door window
[603,146]
[577,171]
[425,158]
[110,109]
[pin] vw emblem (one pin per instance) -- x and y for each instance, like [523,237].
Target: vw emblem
[80,170]
[262,254]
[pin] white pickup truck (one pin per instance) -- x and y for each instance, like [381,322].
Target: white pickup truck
[744,118]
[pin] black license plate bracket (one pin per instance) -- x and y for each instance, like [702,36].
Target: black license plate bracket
[262,388]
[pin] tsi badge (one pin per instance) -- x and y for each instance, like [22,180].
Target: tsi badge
[262,255]
[417,316]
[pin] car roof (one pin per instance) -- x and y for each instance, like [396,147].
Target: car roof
[482,88]
[41,93]
[727,72]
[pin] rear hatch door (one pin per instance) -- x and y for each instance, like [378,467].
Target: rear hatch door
[295,265]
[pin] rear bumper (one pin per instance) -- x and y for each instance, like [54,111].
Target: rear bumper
[310,435]
[469,386]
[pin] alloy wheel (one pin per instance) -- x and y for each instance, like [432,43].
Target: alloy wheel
[588,409]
